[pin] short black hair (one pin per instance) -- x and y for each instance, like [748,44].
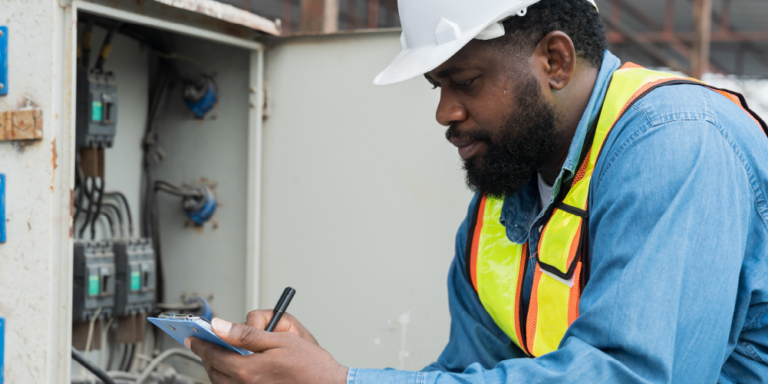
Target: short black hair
[577,18]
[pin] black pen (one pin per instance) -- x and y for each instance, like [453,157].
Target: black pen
[281,307]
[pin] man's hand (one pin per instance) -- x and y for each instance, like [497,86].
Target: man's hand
[260,318]
[279,357]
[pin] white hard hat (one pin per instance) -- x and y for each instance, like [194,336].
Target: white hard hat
[434,30]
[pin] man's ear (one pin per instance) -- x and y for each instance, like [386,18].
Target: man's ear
[558,56]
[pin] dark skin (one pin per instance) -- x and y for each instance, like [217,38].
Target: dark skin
[477,90]
[477,86]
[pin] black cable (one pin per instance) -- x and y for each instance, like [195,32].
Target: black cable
[162,185]
[110,221]
[81,189]
[118,214]
[122,198]
[106,47]
[112,347]
[98,205]
[130,356]
[89,196]
[91,367]
[124,361]
[87,43]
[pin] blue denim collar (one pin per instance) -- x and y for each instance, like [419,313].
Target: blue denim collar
[521,210]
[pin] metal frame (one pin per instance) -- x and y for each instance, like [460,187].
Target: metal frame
[66,151]
[694,45]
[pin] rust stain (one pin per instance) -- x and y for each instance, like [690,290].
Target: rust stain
[54,156]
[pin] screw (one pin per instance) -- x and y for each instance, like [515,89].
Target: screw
[1,33]
[171,327]
[2,86]
[195,329]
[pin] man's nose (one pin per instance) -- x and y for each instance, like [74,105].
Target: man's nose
[449,110]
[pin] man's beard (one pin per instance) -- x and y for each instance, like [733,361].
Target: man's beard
[526,140]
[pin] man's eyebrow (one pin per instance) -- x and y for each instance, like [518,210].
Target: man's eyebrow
[444,73]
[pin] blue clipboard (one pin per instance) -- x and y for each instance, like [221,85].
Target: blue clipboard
[182,326]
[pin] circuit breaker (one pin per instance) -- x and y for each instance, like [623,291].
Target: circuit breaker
[96,116]
[135,263]
[94,283]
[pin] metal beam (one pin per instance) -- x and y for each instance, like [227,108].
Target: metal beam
[373,14]
[287,19]
[690,37]
[331,16]
[649,48]
[667,29]
[702,17]
[311,19]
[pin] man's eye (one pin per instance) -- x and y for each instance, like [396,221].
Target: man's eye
[466,83]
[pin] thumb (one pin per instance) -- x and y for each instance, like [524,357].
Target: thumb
[244,336]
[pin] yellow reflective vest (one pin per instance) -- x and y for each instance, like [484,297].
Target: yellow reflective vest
[497,266]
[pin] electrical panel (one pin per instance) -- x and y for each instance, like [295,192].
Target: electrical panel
[94,280]
[96,116]
[135,263]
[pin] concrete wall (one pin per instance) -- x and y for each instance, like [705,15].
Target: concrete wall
[362,200]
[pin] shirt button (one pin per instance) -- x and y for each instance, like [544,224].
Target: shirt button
[541,228]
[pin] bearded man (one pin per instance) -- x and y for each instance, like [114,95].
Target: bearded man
[619,228]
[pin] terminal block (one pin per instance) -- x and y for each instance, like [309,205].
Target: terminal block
[96,117]
[135,263]
[94,280]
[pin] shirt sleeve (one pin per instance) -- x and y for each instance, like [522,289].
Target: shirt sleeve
[667,242]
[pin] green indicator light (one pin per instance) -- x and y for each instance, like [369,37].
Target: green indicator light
[93,285]
[135,280]
[96,111]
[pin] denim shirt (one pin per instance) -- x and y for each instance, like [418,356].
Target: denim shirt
[678,237]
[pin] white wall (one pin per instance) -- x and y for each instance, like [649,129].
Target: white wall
[362,200]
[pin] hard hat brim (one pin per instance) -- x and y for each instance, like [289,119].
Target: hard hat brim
[411,63]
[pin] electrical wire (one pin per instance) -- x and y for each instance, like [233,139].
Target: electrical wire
[81,188]
[88,195]
[98,205]
[159,359]
[118,214]
[90,331]
[121,197]
[162,185]
[91,367]
[126,360]
[108,217]
[87,43]
[103,359]
[106,47]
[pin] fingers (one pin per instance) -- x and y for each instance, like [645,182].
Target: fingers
[259,319]
[214,356]
[216,376]
[245,336]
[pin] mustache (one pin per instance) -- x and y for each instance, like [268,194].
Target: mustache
[453,132]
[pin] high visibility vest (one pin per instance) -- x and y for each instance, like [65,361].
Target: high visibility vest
[497,266]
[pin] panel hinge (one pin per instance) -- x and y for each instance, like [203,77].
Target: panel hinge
[21,125]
